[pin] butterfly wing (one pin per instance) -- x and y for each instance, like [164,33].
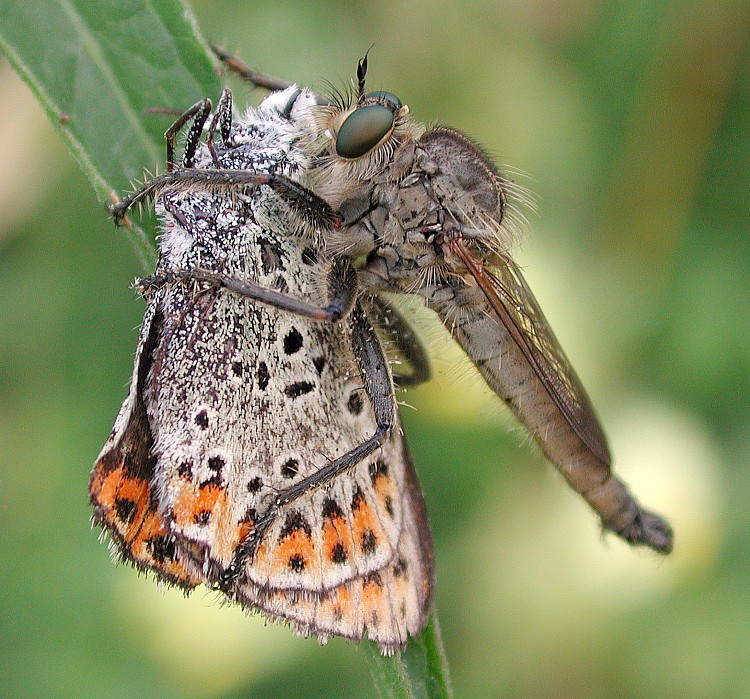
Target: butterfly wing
[242,401]
[122,481]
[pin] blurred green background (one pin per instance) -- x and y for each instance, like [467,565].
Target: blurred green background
[632,122]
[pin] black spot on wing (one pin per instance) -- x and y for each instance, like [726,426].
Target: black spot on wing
[297,563]
[400,568]
[295,521]
[263,376]
[162,548]
[298,388]
[357,499]
[293,341]
[389,505]
[255,484]
[320,363]
[125,509]
[331,509]
[216,464]
[201,419]
[354,404]
[290,468]
[203,517]
[369,542]
[378,467]
[338,554]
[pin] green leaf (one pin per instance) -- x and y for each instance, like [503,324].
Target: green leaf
[97,65]
[420,672]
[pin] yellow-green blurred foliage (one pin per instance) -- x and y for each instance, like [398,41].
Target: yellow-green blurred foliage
[632,120]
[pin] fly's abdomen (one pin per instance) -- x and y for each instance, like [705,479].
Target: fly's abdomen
[506,369]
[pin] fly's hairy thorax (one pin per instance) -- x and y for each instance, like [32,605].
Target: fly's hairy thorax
[431,192]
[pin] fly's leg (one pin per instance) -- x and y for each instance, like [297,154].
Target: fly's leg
[376,379]
[395,328]
[342,290]
[303,201]
[267,82]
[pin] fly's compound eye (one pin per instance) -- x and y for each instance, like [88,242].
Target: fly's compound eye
[387,98]
[363,129]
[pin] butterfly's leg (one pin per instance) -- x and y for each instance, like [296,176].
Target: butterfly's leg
[221,120]
[267,82]
[378,385]
[397,330]
[198,113]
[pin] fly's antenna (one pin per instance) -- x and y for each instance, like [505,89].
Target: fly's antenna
[361,74]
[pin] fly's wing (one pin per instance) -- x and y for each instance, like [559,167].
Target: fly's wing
[472,193]
[121,485]
[502,329]
[512,300]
